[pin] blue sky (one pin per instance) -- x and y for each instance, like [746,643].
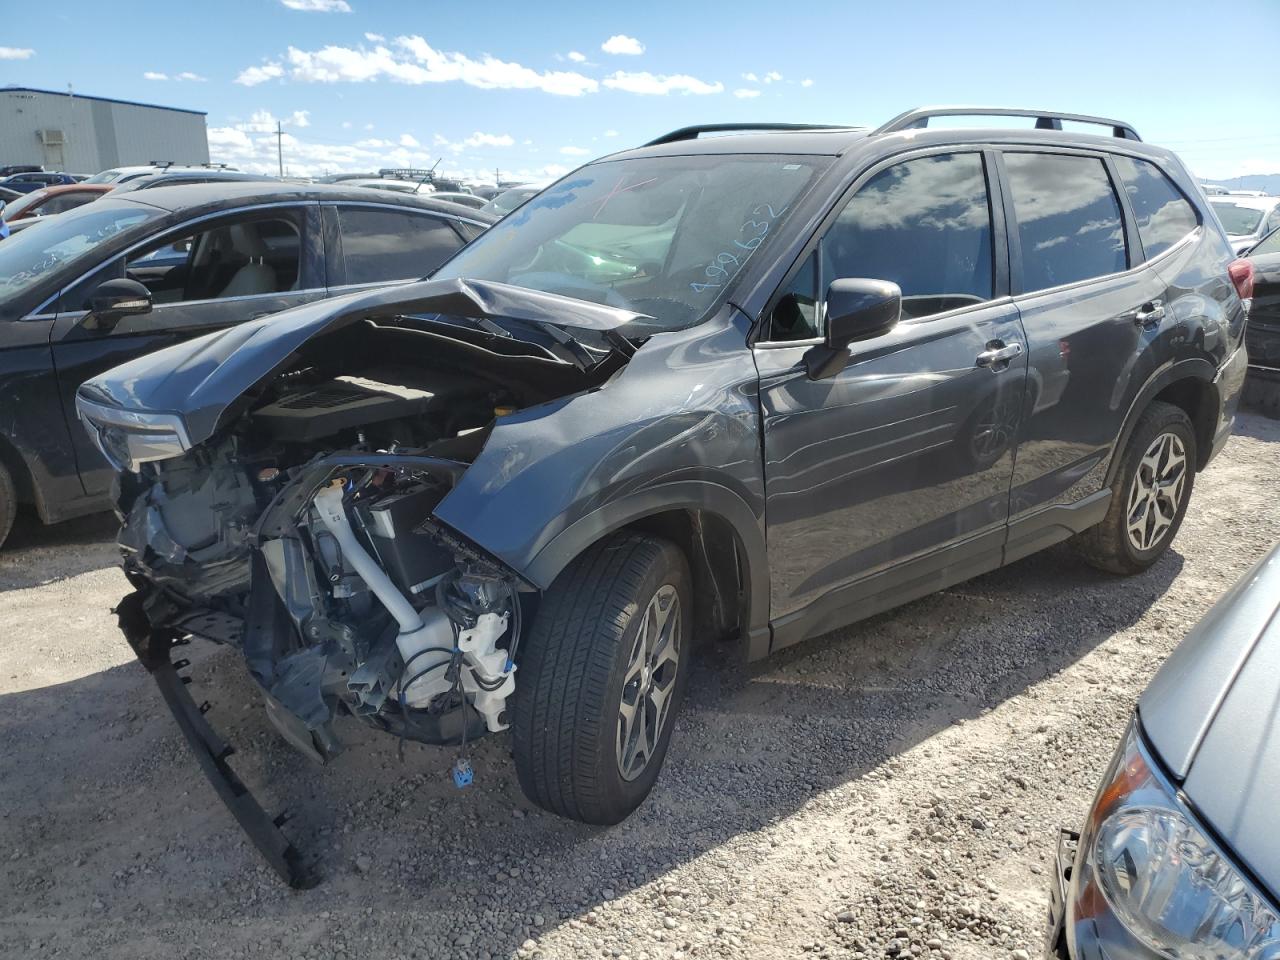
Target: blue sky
[537,89]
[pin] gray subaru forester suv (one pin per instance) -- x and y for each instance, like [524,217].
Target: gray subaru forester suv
[755,383]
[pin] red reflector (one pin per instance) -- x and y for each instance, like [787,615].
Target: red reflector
[1241,272]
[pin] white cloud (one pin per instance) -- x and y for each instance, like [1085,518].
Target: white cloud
[750,78]
[476,139]
[375,38]
[192,77]
[479,139]
[346,124]
[252,147]
[644,82]
[411,60]
[806,82]
[153,75]
[408,140]
[252,76]
[611,133]
[299,118]
[772,76]
[16,53]
[318,6]
[575,151]
[743,93]
[620,43]
[576,57]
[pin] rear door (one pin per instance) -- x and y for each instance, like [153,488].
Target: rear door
[372,244]
[892,478]
[203,275]
[1091,310]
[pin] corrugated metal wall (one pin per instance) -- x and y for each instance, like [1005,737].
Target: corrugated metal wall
[96,134]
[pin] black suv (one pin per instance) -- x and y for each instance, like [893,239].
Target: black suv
[131,273]
[757,385]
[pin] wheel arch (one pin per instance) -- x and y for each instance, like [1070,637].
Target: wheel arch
[23,482]
[719,535]
[1188,385]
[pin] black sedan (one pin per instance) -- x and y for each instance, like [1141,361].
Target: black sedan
[126,275]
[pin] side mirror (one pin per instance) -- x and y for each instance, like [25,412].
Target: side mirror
[857,309]
[115,299]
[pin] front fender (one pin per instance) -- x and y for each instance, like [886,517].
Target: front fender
[677,428]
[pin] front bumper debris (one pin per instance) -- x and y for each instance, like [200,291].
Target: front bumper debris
[153,648]
[1064,858]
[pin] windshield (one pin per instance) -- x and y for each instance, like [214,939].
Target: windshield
[1237,220]
[662,236]
[1269,245]
[504,203]
[106,176]
[29,257]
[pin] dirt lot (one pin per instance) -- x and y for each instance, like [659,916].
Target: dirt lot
[893,787]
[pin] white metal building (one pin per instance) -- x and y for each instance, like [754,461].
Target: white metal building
[78,134]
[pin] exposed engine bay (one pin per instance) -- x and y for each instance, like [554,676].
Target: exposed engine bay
[303,533]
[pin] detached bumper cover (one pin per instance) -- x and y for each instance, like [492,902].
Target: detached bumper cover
[154,648]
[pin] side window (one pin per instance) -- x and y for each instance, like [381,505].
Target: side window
[795,317]
[1069,223]
[383,245]
[66,201]
[242,259]
[1163,214]
[925,224]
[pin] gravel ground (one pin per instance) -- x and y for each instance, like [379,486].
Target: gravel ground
[892,788]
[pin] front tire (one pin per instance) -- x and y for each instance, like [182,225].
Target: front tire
[1149,495]
[8,503]
[601,676]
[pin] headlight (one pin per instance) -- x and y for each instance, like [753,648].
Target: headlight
[130,438]
[1163,879]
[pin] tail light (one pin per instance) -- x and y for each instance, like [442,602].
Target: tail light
[1241,272]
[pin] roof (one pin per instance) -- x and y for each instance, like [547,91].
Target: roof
[223,194]
[82,96]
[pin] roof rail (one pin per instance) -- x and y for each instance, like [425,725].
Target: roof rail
[692,133]
[1045,119]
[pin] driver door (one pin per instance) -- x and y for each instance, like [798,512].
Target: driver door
[891,478]
[202,276]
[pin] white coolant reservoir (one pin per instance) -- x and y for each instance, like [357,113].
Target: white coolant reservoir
[425,640]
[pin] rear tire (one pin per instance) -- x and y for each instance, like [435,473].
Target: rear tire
[1149,495]
[8,503]
[610,642]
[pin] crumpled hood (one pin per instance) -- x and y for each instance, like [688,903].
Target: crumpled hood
[200,378]
[1212,713]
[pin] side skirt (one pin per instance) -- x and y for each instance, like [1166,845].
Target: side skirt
[936,571]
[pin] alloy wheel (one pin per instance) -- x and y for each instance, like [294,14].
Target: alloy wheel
[1156,491]
[649,682]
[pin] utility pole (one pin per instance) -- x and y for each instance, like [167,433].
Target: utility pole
[280,148]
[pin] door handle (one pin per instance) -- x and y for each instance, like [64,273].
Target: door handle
[998,354]
[1149,314]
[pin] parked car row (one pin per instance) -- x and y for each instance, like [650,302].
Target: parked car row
[186,260]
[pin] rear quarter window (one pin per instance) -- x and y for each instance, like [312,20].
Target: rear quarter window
[1069,226]
[1164,216]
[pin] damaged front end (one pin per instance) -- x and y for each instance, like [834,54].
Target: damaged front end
[286,508]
